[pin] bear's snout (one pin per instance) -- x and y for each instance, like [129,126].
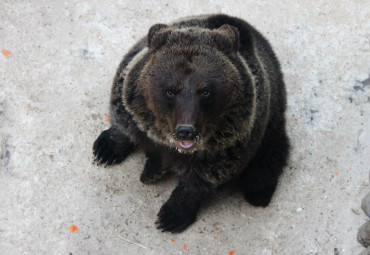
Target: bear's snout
[186,136]
[185,132]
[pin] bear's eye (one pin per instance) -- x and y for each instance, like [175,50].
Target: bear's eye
[170,93]
[205,93]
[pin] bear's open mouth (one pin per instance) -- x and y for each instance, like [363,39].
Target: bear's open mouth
[186,144]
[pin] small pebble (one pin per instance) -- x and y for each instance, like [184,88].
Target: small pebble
[363,235]
[366,252]
[356,212]
[365,205]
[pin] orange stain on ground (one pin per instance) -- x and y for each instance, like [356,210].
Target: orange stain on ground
[5,52]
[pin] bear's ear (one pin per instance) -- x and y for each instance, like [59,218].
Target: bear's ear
[227,38]
[158,35]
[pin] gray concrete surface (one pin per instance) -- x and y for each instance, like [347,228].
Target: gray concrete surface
[54,94]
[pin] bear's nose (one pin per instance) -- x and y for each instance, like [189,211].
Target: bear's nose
[185,132]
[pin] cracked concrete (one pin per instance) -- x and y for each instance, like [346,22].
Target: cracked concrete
[54,94]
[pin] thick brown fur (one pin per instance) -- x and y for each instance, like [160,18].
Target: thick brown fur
[203,97]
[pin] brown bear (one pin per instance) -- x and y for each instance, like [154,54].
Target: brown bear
[204,97]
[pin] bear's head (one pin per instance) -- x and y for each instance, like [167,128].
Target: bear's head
[186,91]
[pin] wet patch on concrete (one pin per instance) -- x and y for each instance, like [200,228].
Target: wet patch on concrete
[2,110]
[311,115]
[359,93]
[4,152]
[362,85]
[87,54]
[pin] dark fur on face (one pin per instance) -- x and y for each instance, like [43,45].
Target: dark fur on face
[194,66]
[203,97]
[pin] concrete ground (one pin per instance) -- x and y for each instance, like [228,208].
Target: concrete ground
[56,68]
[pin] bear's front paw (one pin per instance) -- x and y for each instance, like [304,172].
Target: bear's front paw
[110,149]
[174,217]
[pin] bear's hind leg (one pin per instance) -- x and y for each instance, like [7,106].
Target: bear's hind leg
[259,179]
[112,147]
[153,171]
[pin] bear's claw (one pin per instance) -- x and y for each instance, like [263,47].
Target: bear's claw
[174,219]
[110,149]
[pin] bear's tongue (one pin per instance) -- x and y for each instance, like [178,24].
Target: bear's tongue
[186,144]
